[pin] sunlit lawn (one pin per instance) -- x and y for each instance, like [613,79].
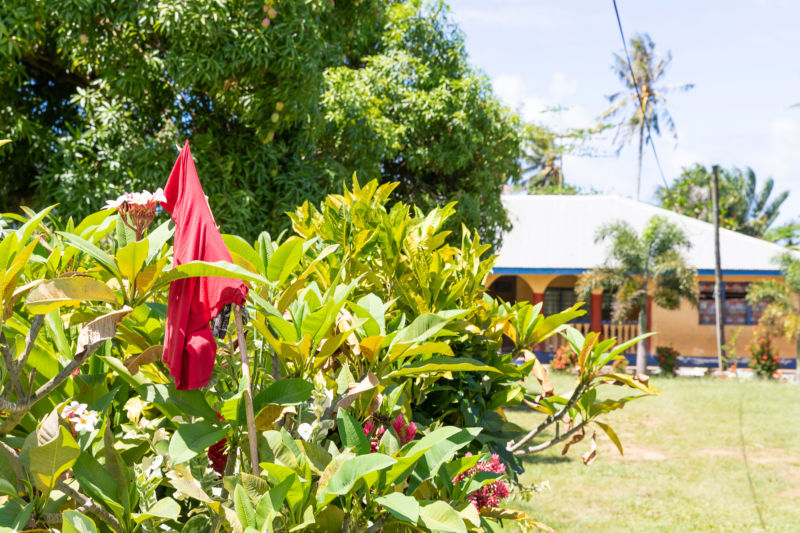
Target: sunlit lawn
[703,455]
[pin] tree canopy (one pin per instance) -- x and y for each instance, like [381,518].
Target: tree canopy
[743,207]
[281,100]
[641,105]
[636,265]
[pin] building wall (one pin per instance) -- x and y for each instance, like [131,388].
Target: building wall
[681,329]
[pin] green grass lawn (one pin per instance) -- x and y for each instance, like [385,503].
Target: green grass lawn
[703,455]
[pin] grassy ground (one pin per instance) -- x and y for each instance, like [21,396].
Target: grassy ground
[703,455]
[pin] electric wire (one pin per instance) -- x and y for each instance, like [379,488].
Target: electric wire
[639,95]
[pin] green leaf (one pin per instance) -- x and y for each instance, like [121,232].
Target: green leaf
[15,513]
[77,522]
[402,507]
[244,507]
[353,470]
[441,364]
[96,482]
[50,460]
[351,432]
[26,230]
[237,245]
[156,240]
[174,402]
[611,435]
[285,259]
[289,391]
[131,259]
[93,251]
[422,328]
[199,269]
[71,291]
[165,509]
[190,440]
[439,516]
[439,454]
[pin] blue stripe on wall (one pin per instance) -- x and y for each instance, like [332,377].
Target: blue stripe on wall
[786,363]
[576,271]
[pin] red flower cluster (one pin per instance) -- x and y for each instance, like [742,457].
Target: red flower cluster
[405,432]
[489,495]
[218,454]
[763,358]
[667,358]
[564,359]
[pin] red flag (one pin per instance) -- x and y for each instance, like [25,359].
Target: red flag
[189,347]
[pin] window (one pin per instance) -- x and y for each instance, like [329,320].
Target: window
[735,308]
[557,299]
[505,288]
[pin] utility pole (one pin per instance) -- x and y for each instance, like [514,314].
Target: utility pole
[719,291]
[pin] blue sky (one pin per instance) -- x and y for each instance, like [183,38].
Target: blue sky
[742,55]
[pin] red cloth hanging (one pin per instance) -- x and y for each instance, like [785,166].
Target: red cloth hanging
[189,347]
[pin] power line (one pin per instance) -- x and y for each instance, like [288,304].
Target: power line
[639,95]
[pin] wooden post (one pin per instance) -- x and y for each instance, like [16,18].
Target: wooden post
[248,391]
[719,291]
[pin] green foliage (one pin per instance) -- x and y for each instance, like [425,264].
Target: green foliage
[282,101]
[364,316]
[640,265]
[667,358]
[782,315]
[763,358]
[641,105]
[742,207]
[544,151]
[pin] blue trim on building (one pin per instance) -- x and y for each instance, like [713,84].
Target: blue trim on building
[786,363]
[514,270]
[575,271]
[710,272]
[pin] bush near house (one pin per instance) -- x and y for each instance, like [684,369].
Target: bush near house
[379,382]
[763,358]
[667,358]
[564,360]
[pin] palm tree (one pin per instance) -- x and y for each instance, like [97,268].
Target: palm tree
[637,265]
[782,312]
[743,207]
[644,108]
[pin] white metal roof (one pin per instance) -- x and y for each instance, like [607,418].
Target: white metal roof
[555,233]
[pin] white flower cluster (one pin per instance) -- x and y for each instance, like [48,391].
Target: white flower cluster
[143,198]
[80,418]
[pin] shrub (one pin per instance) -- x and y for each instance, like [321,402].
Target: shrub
[379,385]
[763,358]
[565,359]
[667,358]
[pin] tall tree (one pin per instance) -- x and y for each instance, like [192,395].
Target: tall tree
[97,97]
[782,312]
[646,107]
[743,206]
[640,265]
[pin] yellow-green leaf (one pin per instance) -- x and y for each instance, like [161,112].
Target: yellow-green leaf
[130,259]
[60,292]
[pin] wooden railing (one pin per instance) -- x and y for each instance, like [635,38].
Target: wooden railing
[622,332]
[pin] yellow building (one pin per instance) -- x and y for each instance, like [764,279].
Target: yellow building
[552,242]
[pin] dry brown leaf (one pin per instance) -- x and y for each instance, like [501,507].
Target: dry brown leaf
[575,439]
[591,455]
[101,329]
[150,355]
[540,373]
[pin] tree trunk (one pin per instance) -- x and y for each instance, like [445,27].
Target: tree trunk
[641,347]
[639,166]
